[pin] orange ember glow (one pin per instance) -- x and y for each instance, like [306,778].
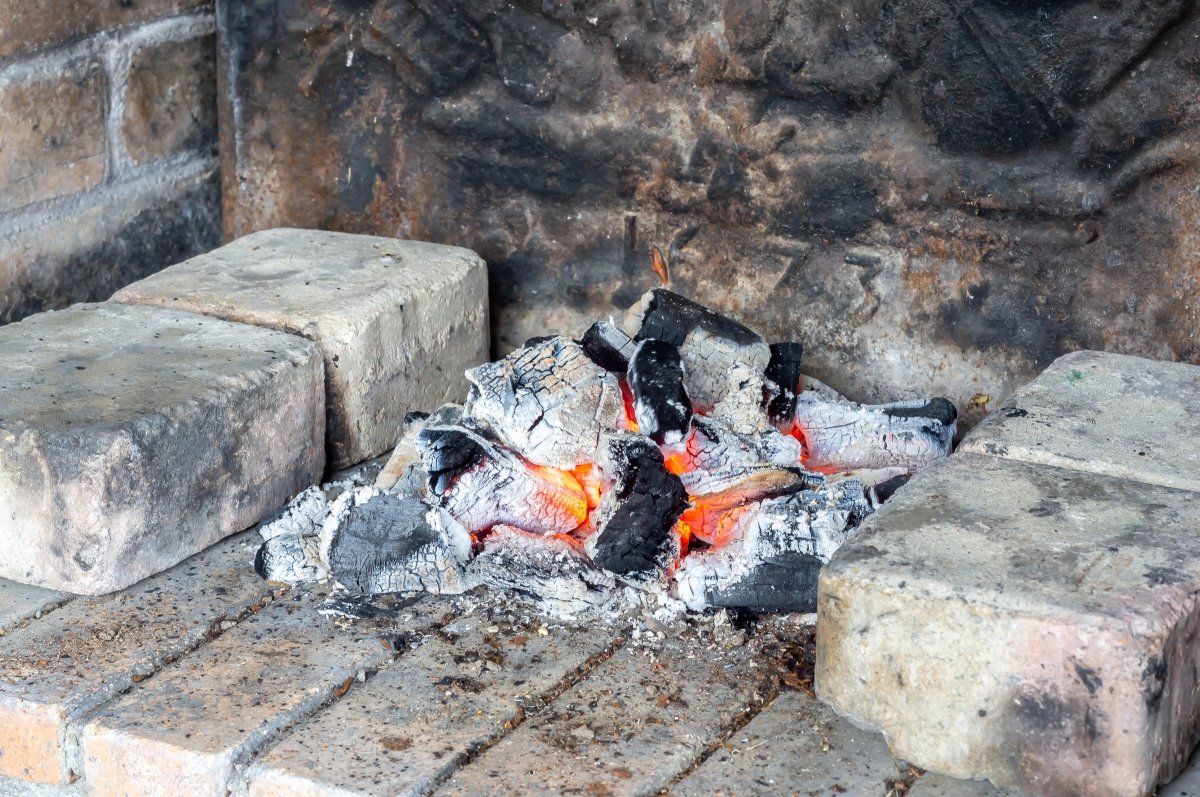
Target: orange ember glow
[677,464]
[630,420]
[685,536]
[798,433]
[571,496]
[589,479]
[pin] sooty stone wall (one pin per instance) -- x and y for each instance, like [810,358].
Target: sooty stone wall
[933,195]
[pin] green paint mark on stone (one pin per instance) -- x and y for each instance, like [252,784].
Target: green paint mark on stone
[1075,376]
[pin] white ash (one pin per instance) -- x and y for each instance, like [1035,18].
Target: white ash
[548,401]
[845,436]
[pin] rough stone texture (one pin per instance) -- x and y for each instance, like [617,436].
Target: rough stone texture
[132,437]
[397,321]
[53,130]
[57,670]
[20,602]
[171,100]
[934,785]
[86,251]
[1104,413]
[183,732]
[637,723]
[32,24]
[1187,784]
[937,197]
[415,723]
[1032,625]
[795,746]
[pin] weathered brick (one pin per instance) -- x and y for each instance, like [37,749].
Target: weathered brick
[794,746]
[636,723]
[55,671]
[53,129]
[184,731]
[30,25]
[171,100]
[1027,624]
[132,437]
[398,321]
[20,602]
[1104,413]
[414,723]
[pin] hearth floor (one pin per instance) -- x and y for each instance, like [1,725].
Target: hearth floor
[450,696]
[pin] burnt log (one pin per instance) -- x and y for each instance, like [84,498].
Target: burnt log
[784,370]
[608,346]
[660,403]
[635,534]
[771,561]
[846,436]
[403,473]
[480,484]
[549,401]
[290,552]
[551,571]
[385,543]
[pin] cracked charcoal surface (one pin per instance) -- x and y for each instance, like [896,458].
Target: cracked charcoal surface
[608,346]
[845,436]
[660,403]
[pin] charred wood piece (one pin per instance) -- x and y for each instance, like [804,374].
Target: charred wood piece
[403,473]
[549,401]
[290,552]
[660,404]
[635,536]
[713,446]
[481,484]
[773,560]
[550,571]
[784,370]
[608,346]
[721,357]
[385,543]
[847,436]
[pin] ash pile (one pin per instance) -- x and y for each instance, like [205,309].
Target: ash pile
[674,457]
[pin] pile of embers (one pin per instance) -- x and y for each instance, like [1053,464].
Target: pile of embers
[675,454]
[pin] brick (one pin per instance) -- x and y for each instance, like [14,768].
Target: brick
[55,671]
[637,722]
[20,602]
[1104,413]
[794,746]
[935,785]
[106,239]
[413,724]
[1031,625]
[53,130]
[33,24]
[133,437]
[398,321]
[171,100]
[184,731]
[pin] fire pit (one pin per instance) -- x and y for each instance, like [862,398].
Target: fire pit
[673,459]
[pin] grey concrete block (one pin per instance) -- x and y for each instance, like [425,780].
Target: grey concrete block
[133,437]
[1031,625]
[19,602]
[1104,413]
[398,321]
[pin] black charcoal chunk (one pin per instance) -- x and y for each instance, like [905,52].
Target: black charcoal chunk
[670,317]
[940,410]
[608,346]
[448,452]
[784,371]
[660,402]
[635,538]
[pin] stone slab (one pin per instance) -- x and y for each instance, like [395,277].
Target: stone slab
[132,437]
[795,746]
[1104,413]
[934,785]
[20,602]
[398,321]
[1188,782]
[186,730]
[1027,624]
[637,722]
[56,671]
[413,724]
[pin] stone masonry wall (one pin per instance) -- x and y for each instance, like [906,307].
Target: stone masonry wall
[108,166]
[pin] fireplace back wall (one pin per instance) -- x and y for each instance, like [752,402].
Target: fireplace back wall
[935,196]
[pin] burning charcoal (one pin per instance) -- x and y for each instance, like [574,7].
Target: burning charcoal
[784,371]
[403,473]
[481,484]
[720,356]
[384,543]
[846,436]
[290,552]
[635,536]
[608,346]
[713,446]
[549,402]
[660,404]
[772,561]
[550,570]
